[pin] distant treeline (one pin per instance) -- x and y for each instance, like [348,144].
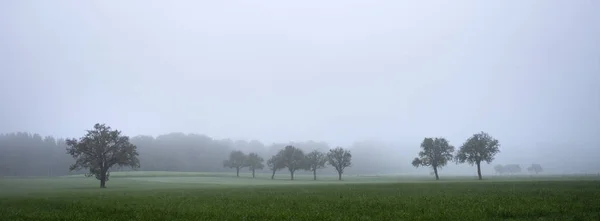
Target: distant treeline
[26,154]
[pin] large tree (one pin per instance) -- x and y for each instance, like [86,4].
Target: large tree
[339,158]
[293,159]
[275,163]
[315,160]
[99,150]
[237,160]
[436,152]
[254,162]
[480,147]
[536,168]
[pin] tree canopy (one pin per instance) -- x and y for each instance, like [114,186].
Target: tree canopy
[535,168]
[339,158]
[512,168]
[30,154]
[99,150]
[480,147]
[435,152]
[275,163]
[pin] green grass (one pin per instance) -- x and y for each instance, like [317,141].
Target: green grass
[206,196]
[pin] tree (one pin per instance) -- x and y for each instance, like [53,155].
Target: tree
[99,150]
[339,159]
[436,152]
[254,162]
[315,160]
[237,160]
[512,168]
[275,163]
[536,168]
[478,148]
[499,169]
[293,159]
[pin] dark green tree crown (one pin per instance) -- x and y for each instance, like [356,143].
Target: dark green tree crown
[435,152]
[478,148]
[100,149]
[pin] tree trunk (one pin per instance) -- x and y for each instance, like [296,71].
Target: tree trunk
[273,176]
[103,177]
[314,174]
[103,180]
[479,170]
[339,175]
[253,173]
[237,169]
[436,173]
[292,173]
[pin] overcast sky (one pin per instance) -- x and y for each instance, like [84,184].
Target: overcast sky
[527,72]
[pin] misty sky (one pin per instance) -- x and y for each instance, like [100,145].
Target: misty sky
[527,72]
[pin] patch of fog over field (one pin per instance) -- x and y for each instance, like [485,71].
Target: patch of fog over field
[373,76]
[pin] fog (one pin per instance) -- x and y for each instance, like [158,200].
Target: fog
[372,76]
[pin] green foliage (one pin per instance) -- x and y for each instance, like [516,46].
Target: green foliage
[512,168]
[254,162]
[237,160]
[460,201]
[25,154]
[292,158]
[99,150]
[478,148]
[315,160]
[436,152]
[275,163]
[339,158]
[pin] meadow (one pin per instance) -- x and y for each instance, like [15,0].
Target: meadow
[222,196]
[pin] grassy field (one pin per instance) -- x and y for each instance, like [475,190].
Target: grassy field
[210,196]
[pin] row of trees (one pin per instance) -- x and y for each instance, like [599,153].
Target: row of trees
[238,160]
[508,168]
[24,154]
[293,159]
[437,152]
[515,168]
[103,148]
[28,154]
